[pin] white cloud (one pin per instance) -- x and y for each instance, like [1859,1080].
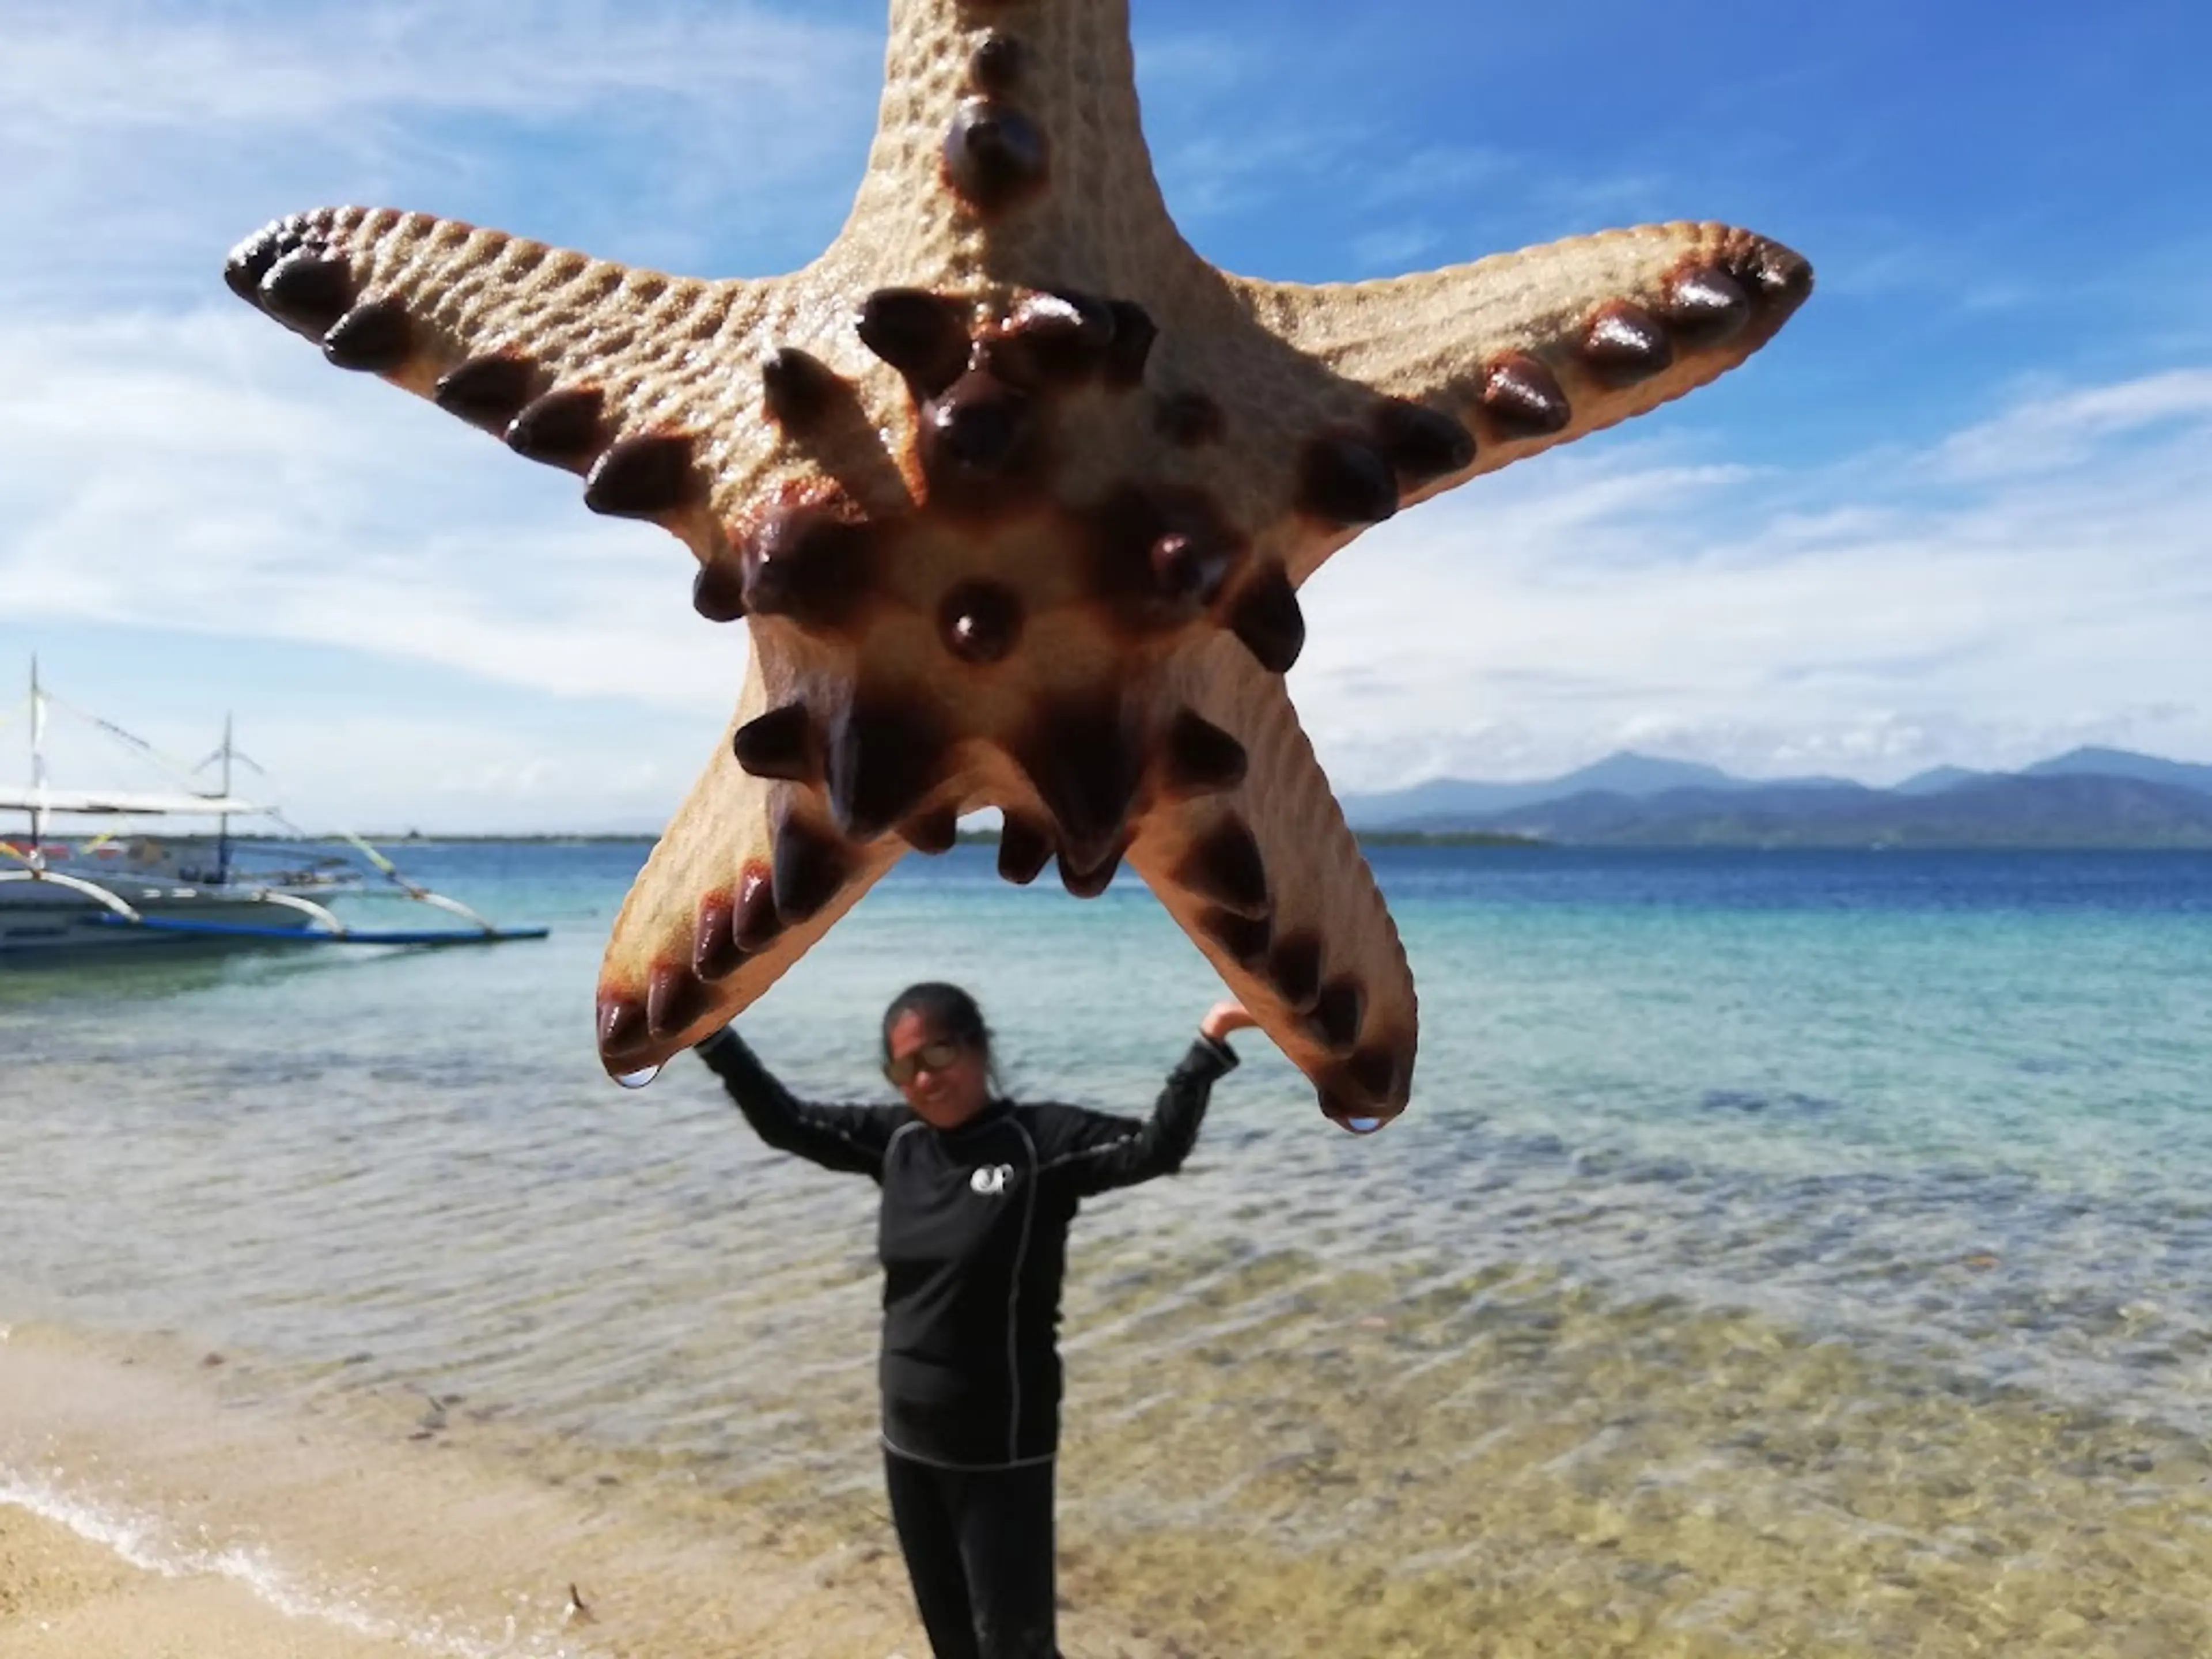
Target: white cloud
[165,484]
[144,67]
[149,137]
[1776,620]
[2063,429]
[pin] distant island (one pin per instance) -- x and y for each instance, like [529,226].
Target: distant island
[2085,798]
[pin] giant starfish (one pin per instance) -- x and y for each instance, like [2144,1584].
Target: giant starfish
[1014,493]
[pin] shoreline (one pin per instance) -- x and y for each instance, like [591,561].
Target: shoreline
[145,1491]
[141,1488]
[67,1593]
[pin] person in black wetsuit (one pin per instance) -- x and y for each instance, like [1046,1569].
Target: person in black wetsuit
[977,1196]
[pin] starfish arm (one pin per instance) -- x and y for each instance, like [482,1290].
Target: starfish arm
[620,374]
[1476,365]
[1267,878]
[746,878]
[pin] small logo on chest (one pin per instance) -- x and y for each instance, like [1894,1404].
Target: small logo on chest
[991,1180]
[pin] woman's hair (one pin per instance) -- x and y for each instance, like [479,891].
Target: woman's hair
[950,1013]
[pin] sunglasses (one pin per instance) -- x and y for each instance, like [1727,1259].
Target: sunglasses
[930,1056]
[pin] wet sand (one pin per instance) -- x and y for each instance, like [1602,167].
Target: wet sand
[63,1596]
[1691,1487]
[156,1506]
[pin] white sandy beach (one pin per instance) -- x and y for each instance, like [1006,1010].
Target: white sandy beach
[153,1507]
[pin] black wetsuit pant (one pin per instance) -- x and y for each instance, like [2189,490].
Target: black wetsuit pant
[979,1548]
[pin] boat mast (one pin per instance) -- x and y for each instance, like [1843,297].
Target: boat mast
[222,823]
[38,770]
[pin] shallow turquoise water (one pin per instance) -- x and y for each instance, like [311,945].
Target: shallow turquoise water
[1739,1074]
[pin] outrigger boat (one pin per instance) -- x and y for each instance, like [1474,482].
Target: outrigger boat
[114,890]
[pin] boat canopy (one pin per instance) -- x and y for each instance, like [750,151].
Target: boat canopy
[15,796]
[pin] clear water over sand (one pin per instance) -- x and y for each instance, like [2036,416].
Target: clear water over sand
[1785,1253]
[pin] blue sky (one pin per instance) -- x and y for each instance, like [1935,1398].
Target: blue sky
[1957,512]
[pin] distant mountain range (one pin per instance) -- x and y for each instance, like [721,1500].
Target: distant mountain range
[2086,797]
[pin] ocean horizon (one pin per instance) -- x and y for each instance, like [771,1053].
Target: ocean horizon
[1796,1252]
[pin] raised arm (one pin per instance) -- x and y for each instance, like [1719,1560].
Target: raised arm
[1093,1151]
[844,1138]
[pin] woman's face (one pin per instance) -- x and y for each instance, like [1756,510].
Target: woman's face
[942,1079]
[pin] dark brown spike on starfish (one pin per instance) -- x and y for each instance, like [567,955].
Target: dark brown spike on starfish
[1199,757]
[780,744]
[978,425]
[1266,616]
[1243,938]
[980,622]
[1336,1016]
[674,997]
[1375,1069]
[1422,443]
[754,923]
[997,64]
[374,337]
[718,590]
[1523,397]
[1053,339]
[1780,277]
[249,260]
[797,388]
[1024,851]
[1090,879]
[308,290]
[884,757]
[561,428]
[1706,305]
[1342,481]
[1224,868]
[810,867]
[622,1024]
[932,833]
[1191,565]
[487,392]
[810,564]
[1625,344]
[1158,555]
[1079,758]
[644,476]
[995,156]
[1294,969]
[714,951]
[921,335]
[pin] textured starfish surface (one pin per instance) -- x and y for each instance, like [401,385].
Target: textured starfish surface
[1014,493]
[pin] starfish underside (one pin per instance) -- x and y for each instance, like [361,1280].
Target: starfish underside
[1014,493]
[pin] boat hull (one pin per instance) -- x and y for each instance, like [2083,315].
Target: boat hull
[36,918]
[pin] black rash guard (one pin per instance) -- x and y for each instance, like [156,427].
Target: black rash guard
[973,1238]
